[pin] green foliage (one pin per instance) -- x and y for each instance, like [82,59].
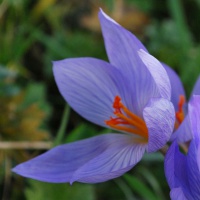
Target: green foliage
[140,187]
[36,92]
[40,191]
[7,85]
[144,5]
[80,132]
[65,45]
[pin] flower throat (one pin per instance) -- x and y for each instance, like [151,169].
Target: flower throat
[126,121]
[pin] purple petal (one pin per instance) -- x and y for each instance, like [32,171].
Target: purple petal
[194,115]
[177,88]
[121,45]
[198,156]
[177,194]
[184,132]
[122,49]
[158,73]
[90,86]
[190,127]
[159,117]
[196,89]
[193,169]
[175,167]
[61,163]
[183,170]
[113,162]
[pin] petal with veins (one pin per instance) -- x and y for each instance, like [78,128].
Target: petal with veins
[91,160]
[159,117]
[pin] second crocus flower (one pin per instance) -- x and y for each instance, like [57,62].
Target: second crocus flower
[182,129]
[183,170]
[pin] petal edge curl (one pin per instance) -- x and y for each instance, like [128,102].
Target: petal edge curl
[159,116]
[158,73]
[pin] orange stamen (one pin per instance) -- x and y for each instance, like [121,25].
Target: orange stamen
[126,121]
[180,113]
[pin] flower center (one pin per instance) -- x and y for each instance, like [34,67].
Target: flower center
[180,113]
[126,121]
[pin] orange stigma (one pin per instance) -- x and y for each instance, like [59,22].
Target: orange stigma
[126,121]
[180,113]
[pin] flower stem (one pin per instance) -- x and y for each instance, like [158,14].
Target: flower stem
[7,178]
[164,149]
[63,125]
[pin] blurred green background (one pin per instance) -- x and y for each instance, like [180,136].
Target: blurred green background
[34,116]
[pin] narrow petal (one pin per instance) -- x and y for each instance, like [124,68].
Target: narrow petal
[194,115]
[177,194]
[122,49]
[193,170]
[170,166]
[90,86]
[175,167]
[159,117]
[112,163]
[177,88]
[121,45]
[158,73]
[61,163]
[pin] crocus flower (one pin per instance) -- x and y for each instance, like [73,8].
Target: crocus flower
[182,130]
[130,95]
[183,171]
